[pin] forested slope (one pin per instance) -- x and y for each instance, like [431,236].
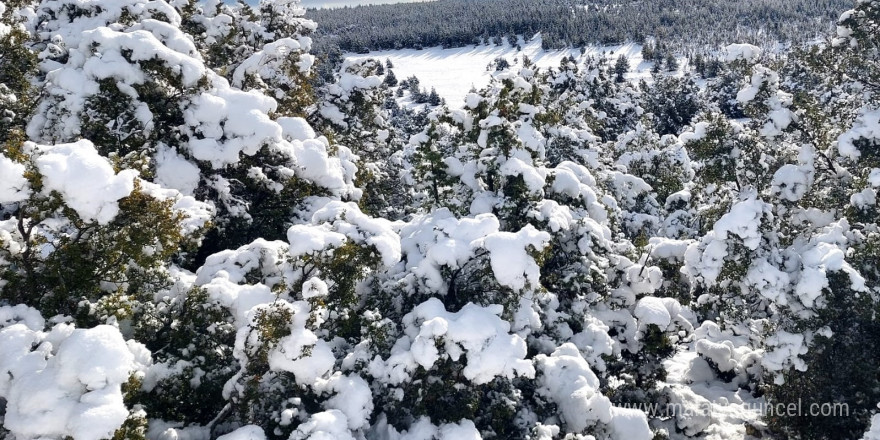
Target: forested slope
[565,23]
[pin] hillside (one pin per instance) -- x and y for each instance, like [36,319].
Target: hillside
[684,24]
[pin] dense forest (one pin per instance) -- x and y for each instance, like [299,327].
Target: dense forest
[574,23]
[199,241]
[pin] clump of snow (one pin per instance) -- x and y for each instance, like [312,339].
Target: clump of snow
[508,254]
[769,281]
[306,239]
[746,52]
[630,424]
[517,167]
[658,311]
[423,429]
[301,352]
[84,178]
[348,220]
[196,214]
[314,287]
[699,132]
[864,198]
[440,239]
[14,187]
[727,351]
[791,182]
[174,171]
[249,432]
[704,405]
[706,258]
[779,117]
[267,257]
[263,62]
[825,253]
[744,220]
[873,432]
[21,314]
[223,123]
[784,352]
[296,129]
[314,164]
[475,331]
[866,126]
[327,425]
[568,381]
[353,397]
[162,430]
[667,248]
[66,382]
[464,430]
[594,342]
[644,279]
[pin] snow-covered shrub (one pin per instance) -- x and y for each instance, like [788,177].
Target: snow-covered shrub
[85,240]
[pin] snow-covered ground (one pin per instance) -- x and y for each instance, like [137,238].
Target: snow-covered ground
[454,71]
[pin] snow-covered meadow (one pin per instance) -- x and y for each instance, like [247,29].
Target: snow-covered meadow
[455,71]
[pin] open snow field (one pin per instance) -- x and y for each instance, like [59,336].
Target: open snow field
[454,71]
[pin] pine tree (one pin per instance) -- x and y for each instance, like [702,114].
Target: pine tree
[621,67]
[671,63]
[434,98]
[390,79]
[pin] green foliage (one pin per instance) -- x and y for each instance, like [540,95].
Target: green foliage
[841,370]
[269,209]
[18,66]
[430,168]
[673,102]
[443,394]
[199,333]
[91,256]
[714,151]
[110,122]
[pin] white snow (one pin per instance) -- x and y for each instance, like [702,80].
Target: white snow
[444,69]
[174,171]
[249,432]
[769,281]
[13,185]
[866,126]
[657,311]
[873,432]
[568,381]
[327,425]
[475,331]
[84,178]
[353,397]
[630,424]
[746,52]
[744,220]
[69,385]
[508,253]
[791,182]
[441,239]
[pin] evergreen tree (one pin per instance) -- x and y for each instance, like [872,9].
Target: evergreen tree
[390,79]
[621,67]
[434,98]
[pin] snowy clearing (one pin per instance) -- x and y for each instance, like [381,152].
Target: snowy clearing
[453,72]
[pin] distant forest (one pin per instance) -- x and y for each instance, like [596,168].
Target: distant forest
[568,23]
